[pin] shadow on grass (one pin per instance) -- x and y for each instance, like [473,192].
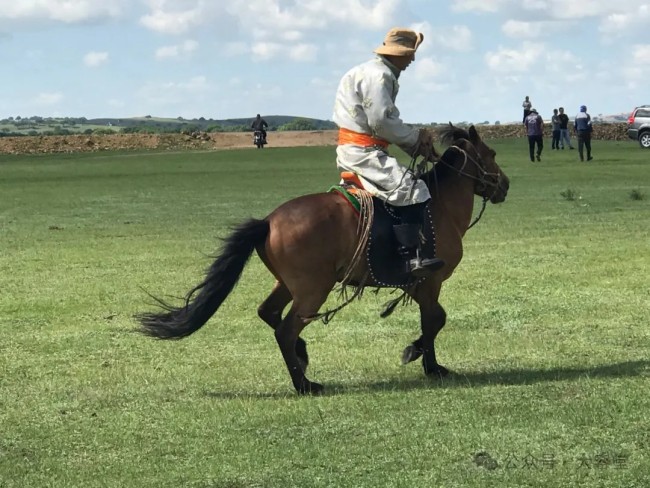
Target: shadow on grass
[467,380]
[508,377]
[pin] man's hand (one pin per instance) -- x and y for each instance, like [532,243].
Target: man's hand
[424,146]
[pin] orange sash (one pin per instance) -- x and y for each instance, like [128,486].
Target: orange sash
[347,136]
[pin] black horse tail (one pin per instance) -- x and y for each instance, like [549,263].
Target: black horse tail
[221,278]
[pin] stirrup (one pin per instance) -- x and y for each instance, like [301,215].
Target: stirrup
[421,268]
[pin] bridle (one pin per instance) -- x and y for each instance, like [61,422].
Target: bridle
[484,178]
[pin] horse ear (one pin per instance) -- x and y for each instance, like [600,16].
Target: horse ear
[473,135]
[450,124]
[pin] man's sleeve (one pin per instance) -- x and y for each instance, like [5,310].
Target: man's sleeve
[383,116]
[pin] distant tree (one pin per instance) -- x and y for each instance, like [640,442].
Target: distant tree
[147,116]
[298,124]
[496,122]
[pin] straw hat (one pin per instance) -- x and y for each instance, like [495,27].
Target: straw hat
[400,42]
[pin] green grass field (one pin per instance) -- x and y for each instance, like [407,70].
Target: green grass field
[547,334]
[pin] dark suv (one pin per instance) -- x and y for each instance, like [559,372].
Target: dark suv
[638,125]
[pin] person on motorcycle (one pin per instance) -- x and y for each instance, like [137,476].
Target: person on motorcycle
[368,122]
[259,124]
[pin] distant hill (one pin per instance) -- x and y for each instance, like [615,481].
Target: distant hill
[275,122]
[36,125]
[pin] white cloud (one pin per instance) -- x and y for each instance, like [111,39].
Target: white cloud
[175,92]
[47,99]
[522,30]
[429,73]
[628,22]
[94,59]
[168,17]
[290,20]
[266,50]
[69,11]
[458,38]
[292,35]
[455,38]
[303,52]
[508,60]
[478,5]
[175,51]
[641,54]
[234,49]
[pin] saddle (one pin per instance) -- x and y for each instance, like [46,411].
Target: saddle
[387,267]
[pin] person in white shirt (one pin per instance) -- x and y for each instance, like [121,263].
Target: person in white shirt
[527,104]
[369,122]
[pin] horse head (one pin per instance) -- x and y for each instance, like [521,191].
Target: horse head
[468,155]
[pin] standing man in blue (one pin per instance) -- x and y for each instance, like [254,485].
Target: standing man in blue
[583,129]
[535,131]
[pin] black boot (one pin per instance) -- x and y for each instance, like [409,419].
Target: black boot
[408,239]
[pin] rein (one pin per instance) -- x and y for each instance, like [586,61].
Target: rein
[482,179]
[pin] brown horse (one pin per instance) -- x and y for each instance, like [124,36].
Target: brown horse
[310,242]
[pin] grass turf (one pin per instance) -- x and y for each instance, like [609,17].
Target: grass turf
[547,334]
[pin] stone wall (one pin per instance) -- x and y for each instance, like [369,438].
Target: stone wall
[228,140]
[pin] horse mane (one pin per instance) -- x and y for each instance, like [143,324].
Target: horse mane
[440,172]
[449,134]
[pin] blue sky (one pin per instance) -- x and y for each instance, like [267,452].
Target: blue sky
[235,58]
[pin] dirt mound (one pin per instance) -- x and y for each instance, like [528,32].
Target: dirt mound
[228,140]
[128,142]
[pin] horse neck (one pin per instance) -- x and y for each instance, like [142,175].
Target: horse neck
[455,196]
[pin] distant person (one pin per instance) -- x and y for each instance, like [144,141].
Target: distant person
[369,121]
[259,124]
[564,129]
[535,131]
[527,104]
[583,128]
[555,130]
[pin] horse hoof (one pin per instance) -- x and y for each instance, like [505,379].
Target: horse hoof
[410,354]
[310,388]
[437,371]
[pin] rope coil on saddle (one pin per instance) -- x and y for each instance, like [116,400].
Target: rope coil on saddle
[366,218]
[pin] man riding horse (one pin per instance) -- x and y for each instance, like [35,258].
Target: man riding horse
[369,122]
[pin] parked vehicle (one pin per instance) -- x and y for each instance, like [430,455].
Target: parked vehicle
[638,125]
[258,139]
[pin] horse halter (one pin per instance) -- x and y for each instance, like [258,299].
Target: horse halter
[485,178]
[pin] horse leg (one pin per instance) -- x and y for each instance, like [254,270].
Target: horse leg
[433,319]
[270,311]
[287,334]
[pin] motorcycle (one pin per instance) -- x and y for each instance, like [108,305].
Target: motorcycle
[258,139]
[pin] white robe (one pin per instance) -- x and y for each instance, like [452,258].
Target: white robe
[365,103]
